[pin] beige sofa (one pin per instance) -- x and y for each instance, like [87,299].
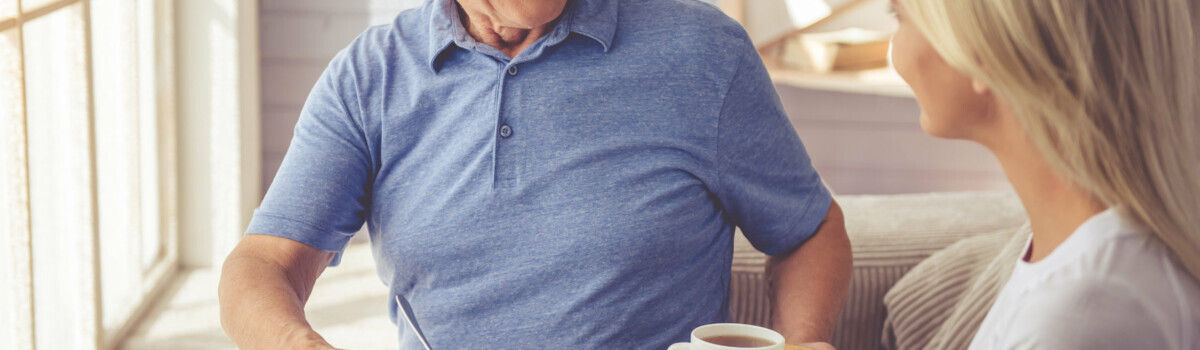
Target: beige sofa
[889,235]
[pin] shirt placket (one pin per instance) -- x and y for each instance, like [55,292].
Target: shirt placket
[505,153]
[506,157]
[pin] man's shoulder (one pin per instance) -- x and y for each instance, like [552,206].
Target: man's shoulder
[685,19]
[411,25]
[385,44]
[376,37]
[677,10]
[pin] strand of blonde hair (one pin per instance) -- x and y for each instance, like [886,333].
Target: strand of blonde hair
[1106,90]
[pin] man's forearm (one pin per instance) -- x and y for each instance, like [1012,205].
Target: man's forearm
[809,284]
[261,309]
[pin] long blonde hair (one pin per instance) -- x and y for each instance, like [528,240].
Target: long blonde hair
[1106,90]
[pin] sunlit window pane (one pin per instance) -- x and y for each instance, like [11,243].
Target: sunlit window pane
[30,5]
[15,298]
[148,125]
[81,226]
[115,85]
[60,180]
[8,8]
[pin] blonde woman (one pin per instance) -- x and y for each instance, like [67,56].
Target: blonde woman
[1090,107]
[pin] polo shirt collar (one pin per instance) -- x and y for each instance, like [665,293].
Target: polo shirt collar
[595,19]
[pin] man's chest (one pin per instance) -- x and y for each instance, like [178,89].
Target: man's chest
[560,153]
[538,130]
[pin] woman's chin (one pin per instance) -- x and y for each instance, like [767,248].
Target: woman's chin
[938,130]
[927,125]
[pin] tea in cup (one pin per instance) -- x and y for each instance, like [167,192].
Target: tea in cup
[732,336]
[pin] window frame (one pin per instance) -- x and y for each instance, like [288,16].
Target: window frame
[69,292]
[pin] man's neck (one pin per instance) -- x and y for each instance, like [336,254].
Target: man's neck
[1056,207]
[511,41]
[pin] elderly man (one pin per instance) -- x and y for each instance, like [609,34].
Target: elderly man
[549,174]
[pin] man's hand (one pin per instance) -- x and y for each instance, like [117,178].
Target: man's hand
[808,285]
[265,283]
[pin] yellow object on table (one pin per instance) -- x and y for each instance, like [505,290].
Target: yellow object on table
[795,347]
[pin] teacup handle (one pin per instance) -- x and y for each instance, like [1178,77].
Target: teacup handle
[680,346]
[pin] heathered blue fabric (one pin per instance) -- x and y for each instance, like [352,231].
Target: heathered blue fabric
[581,195]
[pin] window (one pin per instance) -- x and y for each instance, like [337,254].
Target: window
[87,210]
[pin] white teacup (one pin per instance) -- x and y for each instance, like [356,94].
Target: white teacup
[703,337]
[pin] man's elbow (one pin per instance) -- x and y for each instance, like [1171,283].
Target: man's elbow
[833,239]
[826,253]
[833,230]
[829,237]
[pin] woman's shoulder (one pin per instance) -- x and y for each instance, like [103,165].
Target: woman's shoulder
[1091,312]
[1134,261]
[1132,265]
[1110,255]
[1127,291]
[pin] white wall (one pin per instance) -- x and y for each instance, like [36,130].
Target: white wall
[768,19]
[870,144]
[218,103]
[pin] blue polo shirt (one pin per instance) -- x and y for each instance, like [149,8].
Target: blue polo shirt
[583,194]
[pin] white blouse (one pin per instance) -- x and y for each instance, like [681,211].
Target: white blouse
[1110,285]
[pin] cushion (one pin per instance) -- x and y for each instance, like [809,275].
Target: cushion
[943,300]
[889,234]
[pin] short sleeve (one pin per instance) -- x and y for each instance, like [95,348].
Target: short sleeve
[1087,314]
[319,196]
[766,182]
